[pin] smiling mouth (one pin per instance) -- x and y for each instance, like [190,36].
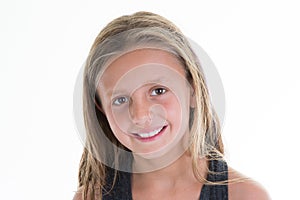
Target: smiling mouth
[146,136]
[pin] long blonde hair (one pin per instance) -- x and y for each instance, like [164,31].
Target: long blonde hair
[205,137]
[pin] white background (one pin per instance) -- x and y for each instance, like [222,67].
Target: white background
[254,44]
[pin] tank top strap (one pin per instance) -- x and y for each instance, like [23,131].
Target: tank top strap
[218,172]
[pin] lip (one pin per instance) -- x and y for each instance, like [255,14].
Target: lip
[152,138]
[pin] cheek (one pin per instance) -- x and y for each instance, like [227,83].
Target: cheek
[177,114]
[174,111]
[117,130]
[120,119]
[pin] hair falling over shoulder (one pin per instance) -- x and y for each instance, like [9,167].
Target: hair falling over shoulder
[205,137]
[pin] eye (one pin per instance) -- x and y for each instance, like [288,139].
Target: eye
[158,91]
[119,101]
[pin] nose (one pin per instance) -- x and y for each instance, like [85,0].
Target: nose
[140,111]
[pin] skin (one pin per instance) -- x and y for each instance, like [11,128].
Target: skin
[176,180]
[143,91]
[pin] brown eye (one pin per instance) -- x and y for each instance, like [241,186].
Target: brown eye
[158,91]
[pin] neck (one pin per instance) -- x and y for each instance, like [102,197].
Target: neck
[179,171]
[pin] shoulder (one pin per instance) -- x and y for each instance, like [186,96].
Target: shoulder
[78,194]
[245,189]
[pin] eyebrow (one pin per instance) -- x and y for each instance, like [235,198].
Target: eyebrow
[158,80]
[110,92]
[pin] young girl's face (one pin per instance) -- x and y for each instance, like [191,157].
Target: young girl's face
[146,99]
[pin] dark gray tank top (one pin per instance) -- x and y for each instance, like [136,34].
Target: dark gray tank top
[122,187]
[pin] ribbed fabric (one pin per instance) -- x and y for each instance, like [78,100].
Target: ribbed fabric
[219,173]
[122,187]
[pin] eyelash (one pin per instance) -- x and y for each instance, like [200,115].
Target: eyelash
[161,89]
[117,102]
[123,99]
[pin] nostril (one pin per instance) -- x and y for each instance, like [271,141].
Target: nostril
[141,118]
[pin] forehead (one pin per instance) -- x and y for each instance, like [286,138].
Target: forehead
[134,59]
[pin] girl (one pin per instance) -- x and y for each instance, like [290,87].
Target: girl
[151,131]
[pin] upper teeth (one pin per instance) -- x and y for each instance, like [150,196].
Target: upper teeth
[150,134]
